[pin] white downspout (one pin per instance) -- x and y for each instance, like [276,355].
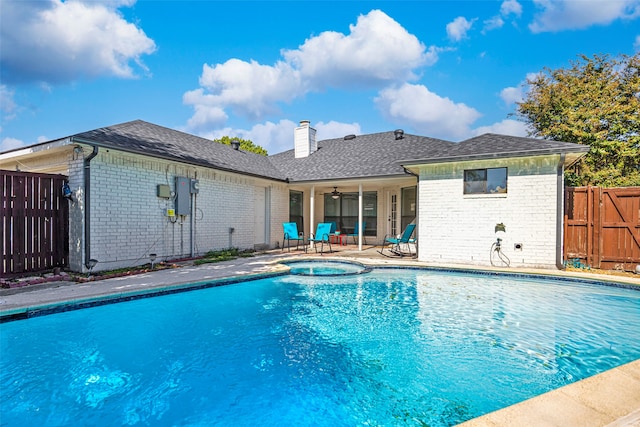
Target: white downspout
[312,213]
[360,230]
[417,216]
[560,213]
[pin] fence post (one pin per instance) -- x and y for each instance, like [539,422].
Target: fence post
[598,228]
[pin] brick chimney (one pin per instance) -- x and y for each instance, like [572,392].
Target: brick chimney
[304,140]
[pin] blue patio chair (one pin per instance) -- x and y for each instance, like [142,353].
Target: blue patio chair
[355,233]
[323,231]
[291,233]
[395,242]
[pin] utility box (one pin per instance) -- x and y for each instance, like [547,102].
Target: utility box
[183,196]
[163,191]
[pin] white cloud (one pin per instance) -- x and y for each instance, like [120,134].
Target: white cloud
[510,7]
[10,144]
[492,24]
[334,129]
[7,104]
[378,49]
[248,88]
[636,44]
[278,137]
[458,28]
[558,15]
[433,54]
[511,95]
[375,52]
[507,8]
[56,41]
[274,137]
[505,127]
[425,111]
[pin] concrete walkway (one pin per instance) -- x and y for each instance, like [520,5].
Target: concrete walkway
[610,399]
[22,299]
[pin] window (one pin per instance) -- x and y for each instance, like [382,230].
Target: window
[344,211]
[408,214]
[295,209]
[485,181]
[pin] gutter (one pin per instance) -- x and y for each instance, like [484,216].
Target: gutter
[410,172]
[582,150]
[350,179]
[560,212]
[87,206]
[174,159]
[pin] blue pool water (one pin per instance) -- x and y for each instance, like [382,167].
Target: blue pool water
[388,348]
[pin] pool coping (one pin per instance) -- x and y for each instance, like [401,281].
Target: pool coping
[610,399]
[275,267]
[114,298]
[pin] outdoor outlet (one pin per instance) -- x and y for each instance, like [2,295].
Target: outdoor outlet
[517,246]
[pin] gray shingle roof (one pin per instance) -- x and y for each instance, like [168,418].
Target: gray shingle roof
[365,156]
[492,145]
[148,139]
[373,155]
[380,154]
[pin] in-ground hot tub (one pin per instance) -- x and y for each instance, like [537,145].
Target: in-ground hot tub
[326,268]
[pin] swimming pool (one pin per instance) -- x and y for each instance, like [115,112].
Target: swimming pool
[391,347]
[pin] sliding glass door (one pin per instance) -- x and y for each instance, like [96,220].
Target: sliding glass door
[344,211]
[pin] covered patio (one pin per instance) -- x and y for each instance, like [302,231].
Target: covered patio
[385,206]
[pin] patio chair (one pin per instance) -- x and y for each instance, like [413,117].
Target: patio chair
[323,231]
[395,242]
[291,233]
[332,228]
[355,233]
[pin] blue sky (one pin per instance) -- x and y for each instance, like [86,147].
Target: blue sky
[254,69]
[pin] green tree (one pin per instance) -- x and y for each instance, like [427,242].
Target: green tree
[594,102]
[245,144]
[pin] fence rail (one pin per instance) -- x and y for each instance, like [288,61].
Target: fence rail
[34,221]
[602,227]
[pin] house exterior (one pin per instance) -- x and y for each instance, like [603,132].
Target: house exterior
[461,226]
[140,189]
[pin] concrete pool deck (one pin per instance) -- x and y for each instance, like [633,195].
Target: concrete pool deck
[609,399]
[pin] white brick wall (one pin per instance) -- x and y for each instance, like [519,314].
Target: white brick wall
[457,228]
[76,214]
[129,221]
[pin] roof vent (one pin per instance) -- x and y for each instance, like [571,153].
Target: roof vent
[349,137]
[235,145]
[399,133]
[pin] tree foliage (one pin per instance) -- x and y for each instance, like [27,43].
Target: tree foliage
[245,144]
[594,102]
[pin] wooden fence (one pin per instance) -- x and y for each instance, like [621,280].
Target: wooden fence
[602,227]
[34,218]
